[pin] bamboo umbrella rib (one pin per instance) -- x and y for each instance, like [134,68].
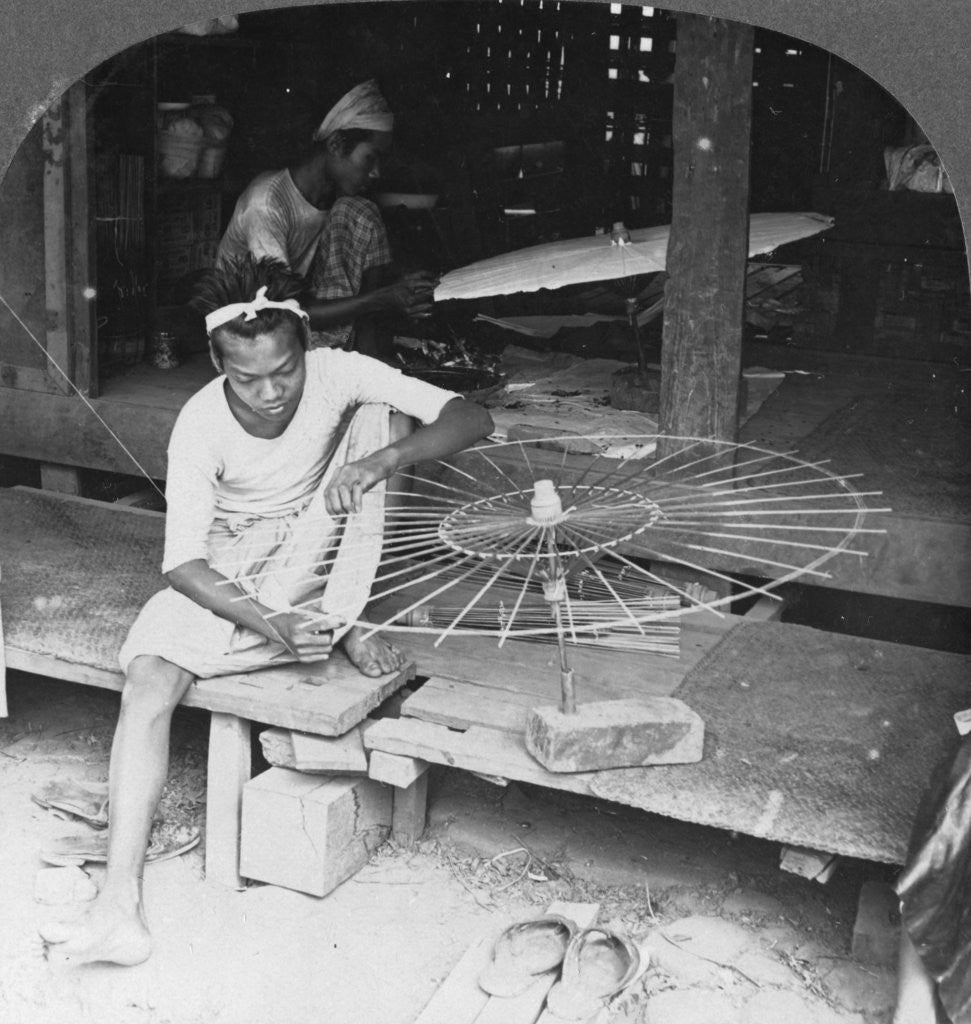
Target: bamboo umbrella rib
[620,601]
[795,465]
[519,599]
[675,528]
[613,553]
[484,588]
[773,526]
[501,472]
[735,466]
[425,599]
[782,512]
[335,548]
[784,498]
[708,495]
[756,558]
[655,553]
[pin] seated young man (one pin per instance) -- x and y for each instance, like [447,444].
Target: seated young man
[314,216]
[260,488]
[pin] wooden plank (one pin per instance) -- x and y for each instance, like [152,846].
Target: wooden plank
[527,1007]
[459,1000]
[304,752]
[394,769]
[326,698]
[58,428]
[707,252]
[229,769]
[487,751]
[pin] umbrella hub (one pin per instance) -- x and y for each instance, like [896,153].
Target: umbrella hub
[545,507]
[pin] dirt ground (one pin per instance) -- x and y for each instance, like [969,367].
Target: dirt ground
[733,940]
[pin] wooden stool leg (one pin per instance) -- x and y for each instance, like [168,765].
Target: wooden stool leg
[229,769]
[408,812]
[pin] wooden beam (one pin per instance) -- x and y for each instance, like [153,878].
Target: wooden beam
[57,428]
[57,342]
[707,249]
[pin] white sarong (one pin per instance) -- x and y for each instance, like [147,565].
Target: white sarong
[303,559]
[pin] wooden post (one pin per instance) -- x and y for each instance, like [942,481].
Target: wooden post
[57,342]
[708,246]
[230,766]
[68,245]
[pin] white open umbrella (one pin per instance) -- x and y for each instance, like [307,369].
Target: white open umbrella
[599,258]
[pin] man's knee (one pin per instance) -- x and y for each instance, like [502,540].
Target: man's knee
[153,686]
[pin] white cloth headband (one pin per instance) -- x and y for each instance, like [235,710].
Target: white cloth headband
[248,310]
[362,107]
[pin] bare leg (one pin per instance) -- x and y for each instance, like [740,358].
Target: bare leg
[114,927]
[375,656]
[915,987]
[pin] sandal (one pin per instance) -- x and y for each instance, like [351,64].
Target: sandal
[85,800]
[74,851]
[524,951]
[597,965]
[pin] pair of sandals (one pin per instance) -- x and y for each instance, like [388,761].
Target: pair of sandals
[88,801]
[594,965]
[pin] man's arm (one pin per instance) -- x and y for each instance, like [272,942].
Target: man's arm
[411,295]
[307,636]
[461,423]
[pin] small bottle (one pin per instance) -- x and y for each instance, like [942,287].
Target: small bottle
[164,352]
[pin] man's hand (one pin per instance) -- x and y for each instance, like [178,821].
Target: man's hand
[412,294]
[307,636]
[351,482]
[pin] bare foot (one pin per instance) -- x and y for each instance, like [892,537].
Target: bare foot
[373,656]
[107,932]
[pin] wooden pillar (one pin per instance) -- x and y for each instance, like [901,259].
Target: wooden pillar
[68,245]
[708,246]
[229,769]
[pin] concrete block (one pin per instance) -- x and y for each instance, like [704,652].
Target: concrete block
[615,734]
[876,931]
[311,832]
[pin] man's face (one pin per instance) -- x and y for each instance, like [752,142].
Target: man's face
[267,374]
[354,172]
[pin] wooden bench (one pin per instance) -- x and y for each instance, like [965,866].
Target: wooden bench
[75,573]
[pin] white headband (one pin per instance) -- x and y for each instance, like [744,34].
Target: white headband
[248,310]
[362,107]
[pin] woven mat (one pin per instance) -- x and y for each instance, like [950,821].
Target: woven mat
[914,445]
[75,574]
[812,739]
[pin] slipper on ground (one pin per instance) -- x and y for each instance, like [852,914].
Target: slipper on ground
[85,800]
[76,850]
[597,964]
[524,951]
